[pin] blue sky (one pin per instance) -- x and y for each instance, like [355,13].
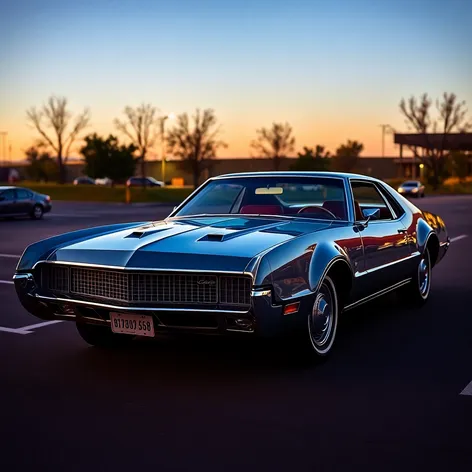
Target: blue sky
[334,69]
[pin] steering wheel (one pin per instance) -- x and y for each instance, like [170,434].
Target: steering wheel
[318,208]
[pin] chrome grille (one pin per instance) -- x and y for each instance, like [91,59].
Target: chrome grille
[235,290]
[148,287]
[55,278]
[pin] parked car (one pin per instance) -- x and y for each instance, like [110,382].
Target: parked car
[412,188]
[17,201]
[147,181]
[84,181]
[106,182]
[255,253]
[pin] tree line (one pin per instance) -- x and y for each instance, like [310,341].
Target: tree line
[195,140]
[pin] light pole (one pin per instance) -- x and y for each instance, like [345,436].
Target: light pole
[4,135]
[385,128]
[163,146]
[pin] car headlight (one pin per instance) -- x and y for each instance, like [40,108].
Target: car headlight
[400,189]
[414,190]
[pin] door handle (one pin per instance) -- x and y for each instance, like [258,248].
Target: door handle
[402,231]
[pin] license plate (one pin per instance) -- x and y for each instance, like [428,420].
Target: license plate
[137,325]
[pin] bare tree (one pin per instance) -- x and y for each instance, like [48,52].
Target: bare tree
[451,119]
[58,129]
[140,126]
[195,141]
[274,143]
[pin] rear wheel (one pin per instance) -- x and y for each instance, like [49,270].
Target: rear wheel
[102,336]
[417,290]
[37,212]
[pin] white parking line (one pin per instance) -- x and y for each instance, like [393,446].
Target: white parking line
[40,325]
[14,330]
[8,282]
[12,256]
[467,390]
[28,329]
[458,238]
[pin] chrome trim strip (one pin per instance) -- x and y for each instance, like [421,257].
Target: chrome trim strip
[260,293]
[27,276]
[143,269]
[377,294]
[365,272]
[134,309]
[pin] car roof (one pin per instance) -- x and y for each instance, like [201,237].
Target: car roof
[6,187]
[340,175]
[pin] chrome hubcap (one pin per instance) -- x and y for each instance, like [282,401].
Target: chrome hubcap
[37,211]
[321,318]
[423,275]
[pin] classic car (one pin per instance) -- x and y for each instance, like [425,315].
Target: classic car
[255,253]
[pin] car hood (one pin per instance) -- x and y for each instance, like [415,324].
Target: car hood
[226,243]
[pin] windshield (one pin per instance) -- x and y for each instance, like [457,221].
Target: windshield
[313,197]
[410,184]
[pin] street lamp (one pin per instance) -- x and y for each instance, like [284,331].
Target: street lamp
[385,128]
[4,135]
[170,116]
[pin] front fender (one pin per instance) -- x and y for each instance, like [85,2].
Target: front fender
[324,257]
[301,269]
[44,248]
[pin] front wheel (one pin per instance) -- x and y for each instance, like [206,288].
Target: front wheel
[417,290]
[323,319]
[102,336]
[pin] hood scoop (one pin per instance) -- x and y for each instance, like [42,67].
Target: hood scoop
[142,234]
[214,237]
[232,233]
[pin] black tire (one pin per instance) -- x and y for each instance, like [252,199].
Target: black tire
[314,341]
[102,336]
[417,291]
[37,212]
[422,195]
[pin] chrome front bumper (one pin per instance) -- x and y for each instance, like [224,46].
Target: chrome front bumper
[263,317]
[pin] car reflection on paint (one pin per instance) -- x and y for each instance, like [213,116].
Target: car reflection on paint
[262,254]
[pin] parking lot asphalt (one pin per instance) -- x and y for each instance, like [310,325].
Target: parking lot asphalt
[396,394]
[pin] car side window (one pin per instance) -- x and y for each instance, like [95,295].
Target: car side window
[397,208]
[367,197]
[8,195]
[23,194]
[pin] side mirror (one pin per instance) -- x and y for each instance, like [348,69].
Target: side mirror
[371,214]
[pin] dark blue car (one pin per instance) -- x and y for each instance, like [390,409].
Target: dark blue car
[256,254]
[17,201]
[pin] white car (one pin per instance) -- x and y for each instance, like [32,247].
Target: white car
[104,182]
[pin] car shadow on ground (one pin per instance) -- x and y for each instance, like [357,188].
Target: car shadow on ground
[375,328]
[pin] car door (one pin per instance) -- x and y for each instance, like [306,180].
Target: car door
[384,238]
[8,202]
[24,201]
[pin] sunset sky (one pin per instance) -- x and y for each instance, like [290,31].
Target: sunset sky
[333,69]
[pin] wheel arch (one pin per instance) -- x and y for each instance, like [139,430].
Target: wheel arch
[332,261]
[432,244]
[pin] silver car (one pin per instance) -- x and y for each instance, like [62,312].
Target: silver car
[412,188]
